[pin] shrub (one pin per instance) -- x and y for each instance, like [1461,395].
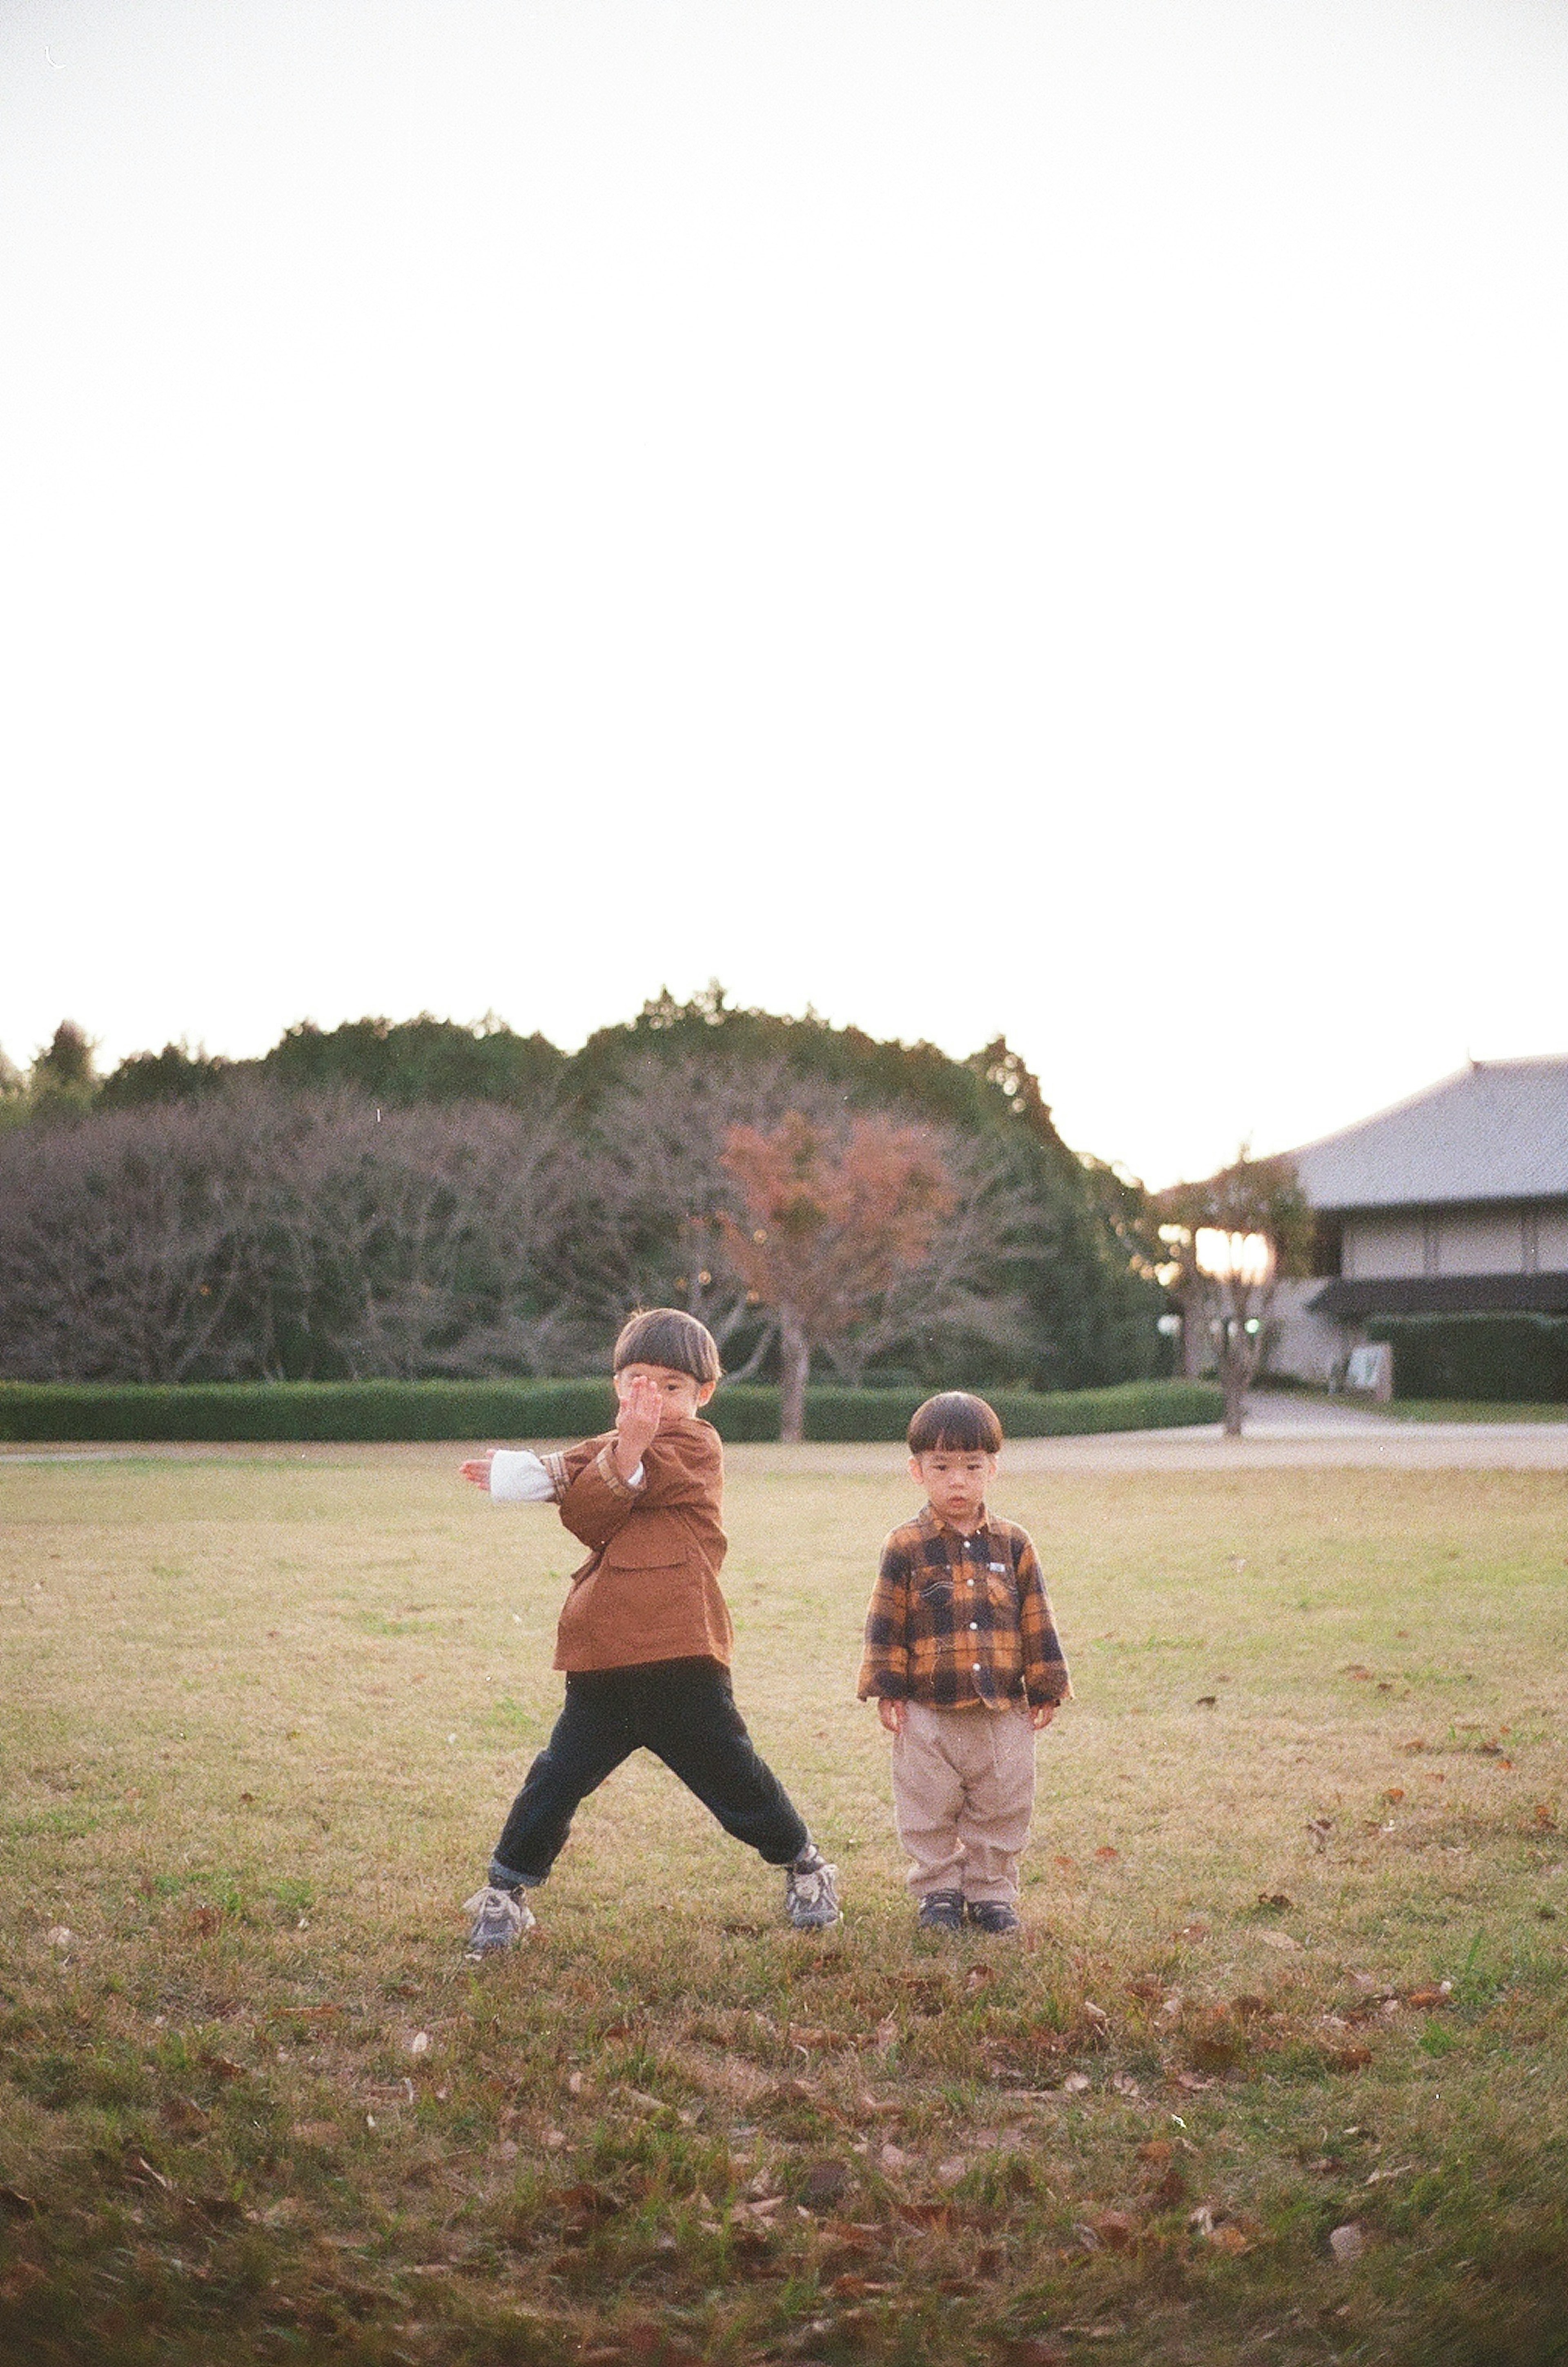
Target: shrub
[343,1411]
[1508,1359]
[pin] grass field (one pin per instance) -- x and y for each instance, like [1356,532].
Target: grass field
[1295,1961]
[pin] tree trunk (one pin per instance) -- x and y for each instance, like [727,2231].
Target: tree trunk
[795,1358]
[1233,1380]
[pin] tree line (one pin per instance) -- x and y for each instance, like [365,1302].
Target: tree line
[418,1198]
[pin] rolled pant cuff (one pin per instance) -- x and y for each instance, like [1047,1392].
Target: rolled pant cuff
[504,1878]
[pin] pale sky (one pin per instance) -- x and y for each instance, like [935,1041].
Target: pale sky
[1042,518]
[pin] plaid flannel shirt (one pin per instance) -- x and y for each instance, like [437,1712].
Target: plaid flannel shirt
[962,1622]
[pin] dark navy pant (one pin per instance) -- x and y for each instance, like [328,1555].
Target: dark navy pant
[684,1711]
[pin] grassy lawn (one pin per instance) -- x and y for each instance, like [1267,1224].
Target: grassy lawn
[1296,1961]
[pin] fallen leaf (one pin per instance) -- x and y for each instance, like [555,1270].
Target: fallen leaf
[1246,2007]
[926,2215]
[977,1977]
[1351,2059]
[203,1922]
[1116,2230]
[1097,2013]
[184,2117]
[1347,2242]
[886,2034]
[868,2108]
[59,1936]
[1076,2082]
[1193,2083]
[420,2042]
[949,2172]
[1394,1794]
[1158,2150]
[1419,1743]
[1065,1864]
[1106,1853]
[850,2287]
[1207,1701]
[221,2067]
[1355,1669]
[1124,2085]
[825,2181]
[1427,1998]
[1230,2239]
[1280,1940]
[1275,1898]
[1320,1827]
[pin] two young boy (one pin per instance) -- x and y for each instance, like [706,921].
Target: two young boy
[959,1649]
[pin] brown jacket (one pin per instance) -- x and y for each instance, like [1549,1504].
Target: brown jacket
[650,1588]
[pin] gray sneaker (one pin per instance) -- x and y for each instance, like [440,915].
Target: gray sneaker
[501,1918]
[993,1915]
[942,1910]
[811,1901]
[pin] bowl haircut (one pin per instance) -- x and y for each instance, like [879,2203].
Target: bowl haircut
[955,1423]
[668,1336]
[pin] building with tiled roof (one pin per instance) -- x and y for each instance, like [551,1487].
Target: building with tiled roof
[1453,1203]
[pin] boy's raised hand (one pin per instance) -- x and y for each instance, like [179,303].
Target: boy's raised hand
[636,1422]
[478,1471]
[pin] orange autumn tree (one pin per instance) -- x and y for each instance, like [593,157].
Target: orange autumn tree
[830,1223]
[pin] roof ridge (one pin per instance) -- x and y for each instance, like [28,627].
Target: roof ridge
[1426,1093]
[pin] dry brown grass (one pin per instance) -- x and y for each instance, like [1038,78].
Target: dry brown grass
[266,1713]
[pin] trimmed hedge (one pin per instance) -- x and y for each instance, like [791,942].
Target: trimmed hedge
[369,1410]
[1495,1359]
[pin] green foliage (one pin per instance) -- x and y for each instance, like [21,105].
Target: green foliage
[1077,1273]
[1510,1359]
[64,1081]
[425,1059]
[175,1074]
[370,1410]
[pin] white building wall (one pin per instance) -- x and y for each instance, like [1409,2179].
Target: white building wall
[1482,1241]
[1379,1248]
[1551,1239]
[1532,1237]
[1303,1346]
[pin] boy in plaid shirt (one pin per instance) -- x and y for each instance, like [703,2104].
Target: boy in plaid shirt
[961,1652]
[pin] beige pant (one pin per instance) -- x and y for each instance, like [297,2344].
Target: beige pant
[962,1789]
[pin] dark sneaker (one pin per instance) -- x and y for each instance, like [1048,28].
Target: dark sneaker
[811,1901]
[993,1915]
[942,1910]
[501,1918]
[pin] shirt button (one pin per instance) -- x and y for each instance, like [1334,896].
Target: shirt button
[974,1626]
[976,1668]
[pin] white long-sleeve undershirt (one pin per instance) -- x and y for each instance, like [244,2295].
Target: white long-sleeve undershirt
[518,1476]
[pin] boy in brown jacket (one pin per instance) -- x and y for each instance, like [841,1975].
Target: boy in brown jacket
[645,1635]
